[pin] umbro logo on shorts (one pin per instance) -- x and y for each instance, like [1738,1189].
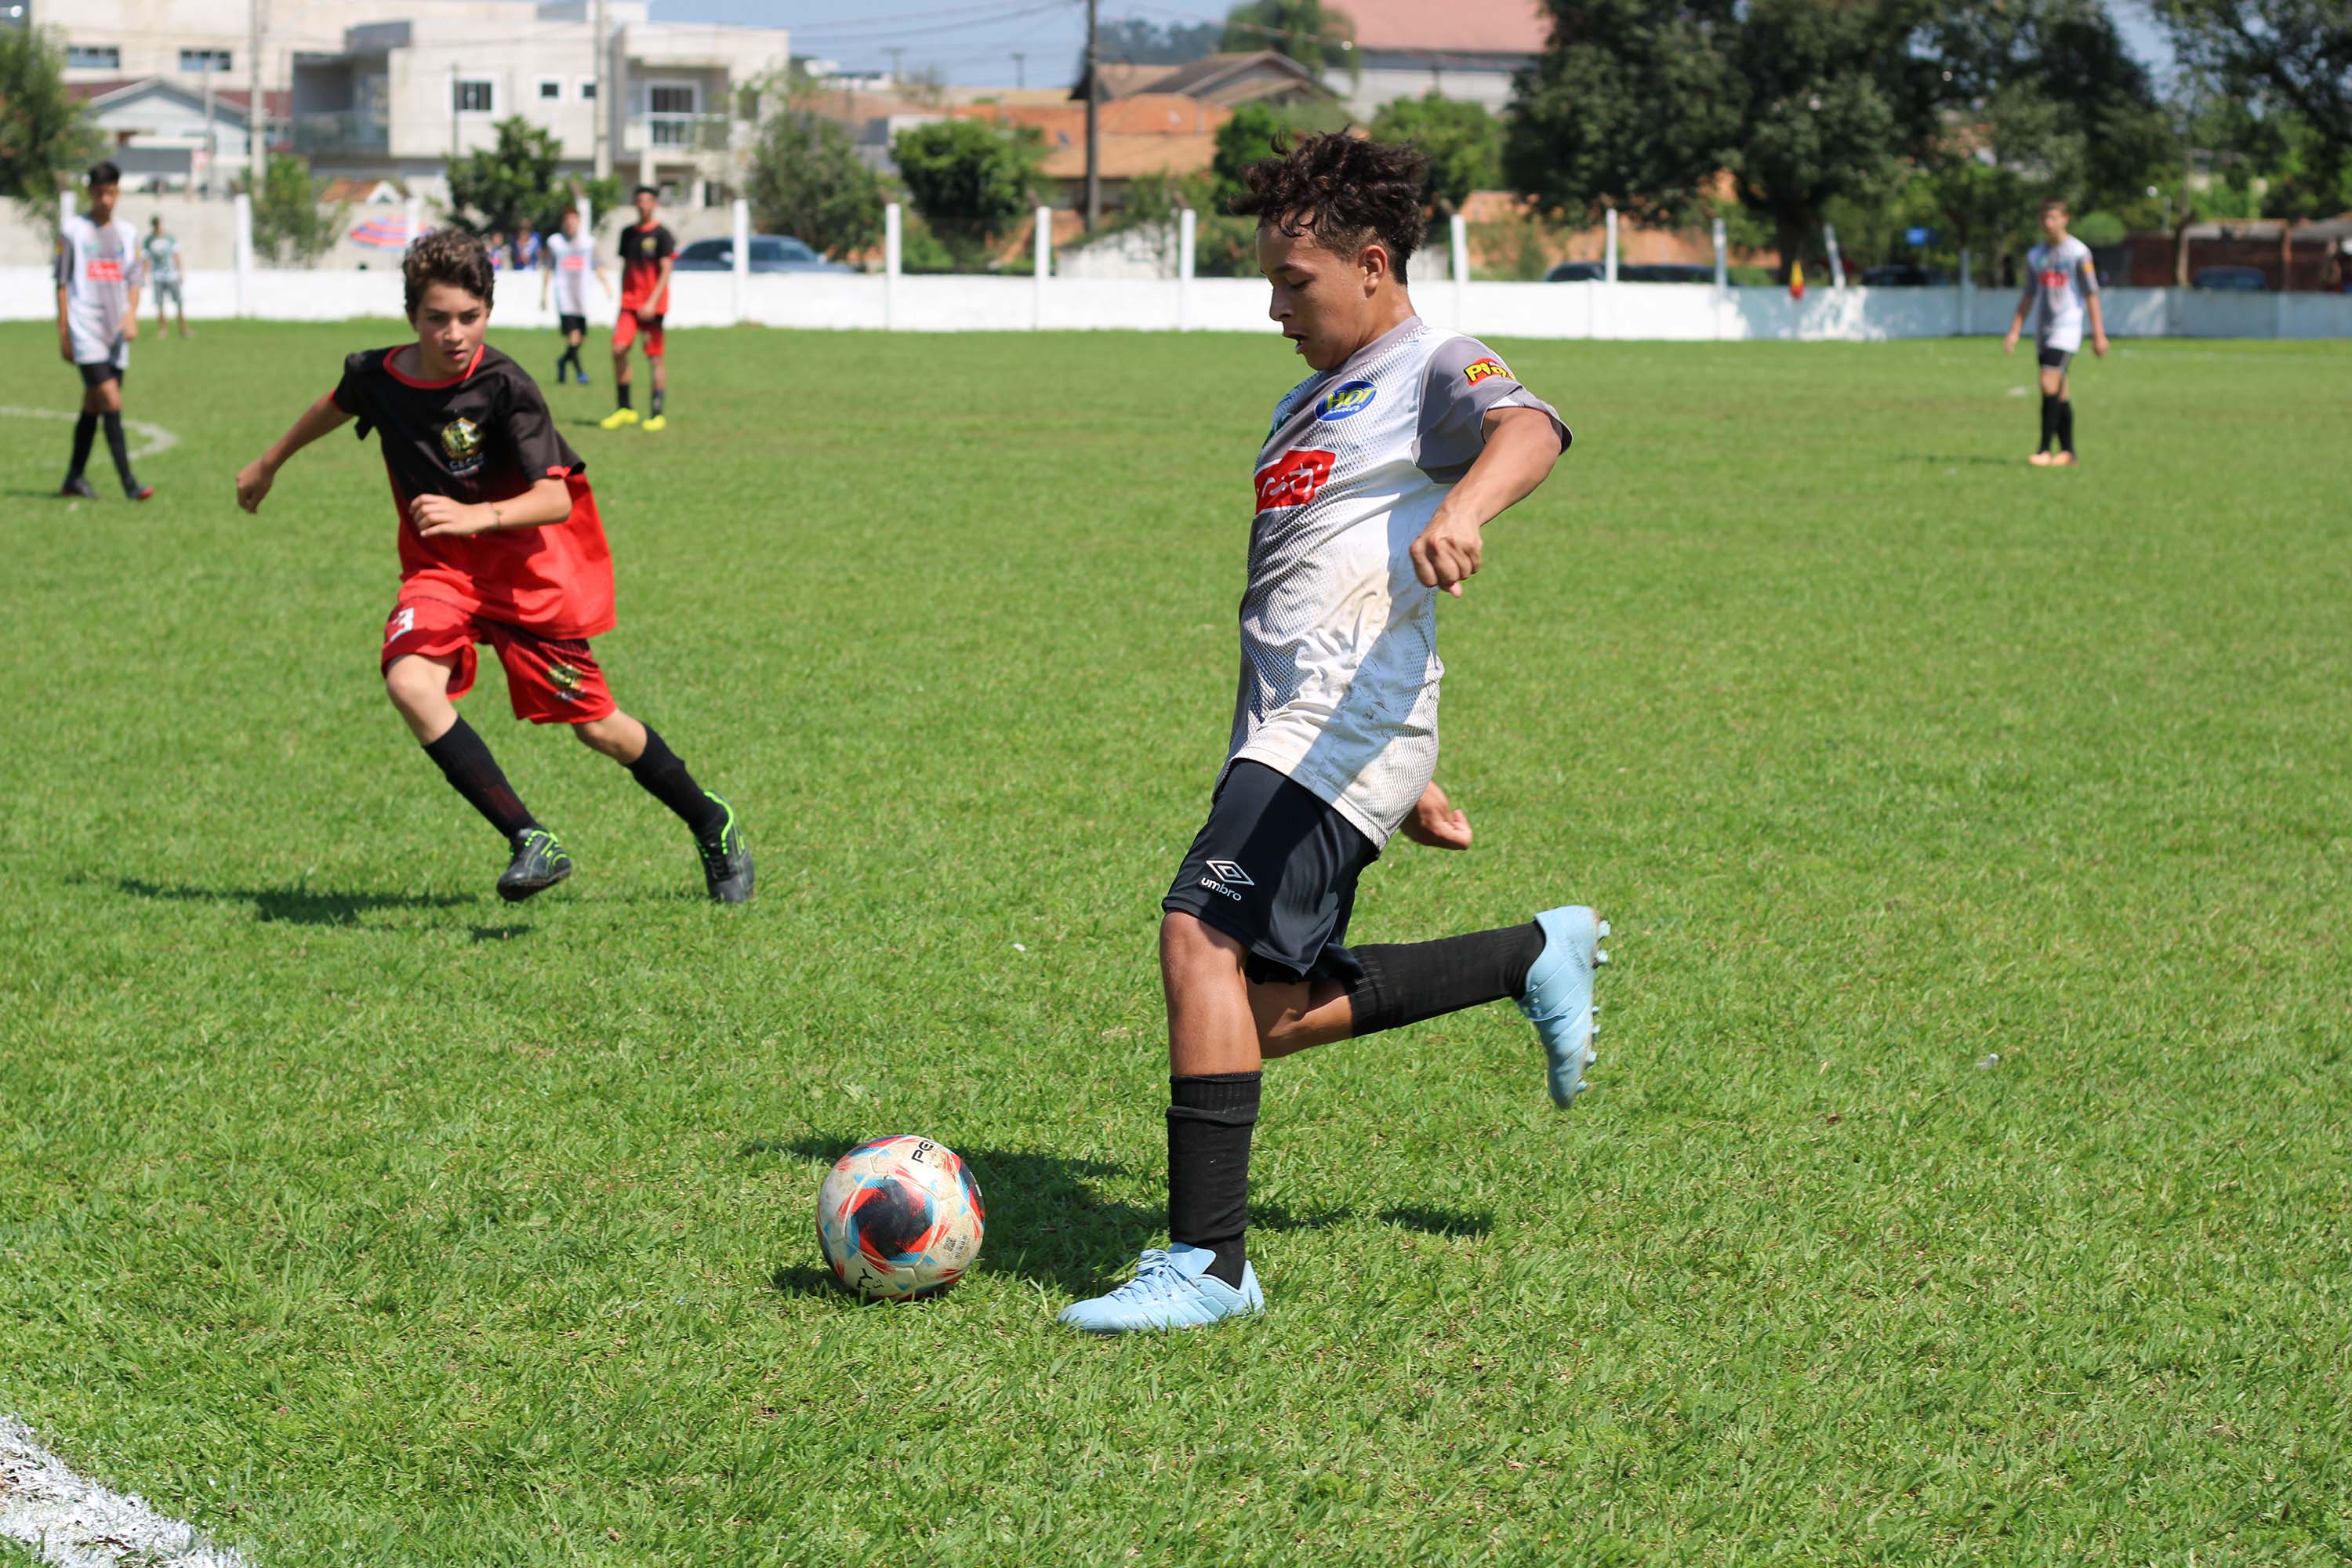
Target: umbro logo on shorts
[1227,871]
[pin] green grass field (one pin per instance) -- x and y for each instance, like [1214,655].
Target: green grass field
[363,1219]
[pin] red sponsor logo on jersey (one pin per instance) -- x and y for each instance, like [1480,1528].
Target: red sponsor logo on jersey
[1479,370]
[105,269]
[1292,478]
[2054,280]
[575,264]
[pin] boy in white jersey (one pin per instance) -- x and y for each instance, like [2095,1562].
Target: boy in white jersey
[163,274]
[2059,276]
[569,257]
[98,273]
[1376,475]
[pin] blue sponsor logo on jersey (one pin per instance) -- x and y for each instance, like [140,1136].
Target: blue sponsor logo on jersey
[1345,400]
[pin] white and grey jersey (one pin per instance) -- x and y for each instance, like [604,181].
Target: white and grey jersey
[98,267]
[571,261]
[1340,668]
[2063,278]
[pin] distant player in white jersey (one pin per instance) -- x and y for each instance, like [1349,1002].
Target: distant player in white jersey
[2062,280]
[566,259]
[162,254]
[99,272]
[1377,474]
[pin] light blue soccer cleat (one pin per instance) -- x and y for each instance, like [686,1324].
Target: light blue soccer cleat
[1172,1289]
[1559,999]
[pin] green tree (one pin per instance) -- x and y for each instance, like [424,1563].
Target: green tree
[1635,104]
[44,131]
[807,181]
[2289,60]
[504,187]
[1317,36]
[1462,142]
[289,227]
[972,182]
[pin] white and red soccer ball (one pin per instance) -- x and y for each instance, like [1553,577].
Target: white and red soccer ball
[900,1217]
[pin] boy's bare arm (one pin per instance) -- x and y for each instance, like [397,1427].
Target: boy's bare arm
[321,418]
[547,500]
[1522,445]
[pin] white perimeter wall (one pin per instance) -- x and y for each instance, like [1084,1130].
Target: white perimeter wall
[1650,311]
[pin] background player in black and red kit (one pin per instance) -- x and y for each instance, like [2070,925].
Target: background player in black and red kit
[649,252]
[500,542]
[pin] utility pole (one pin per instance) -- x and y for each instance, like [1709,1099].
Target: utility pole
[257,123]
[1020,75]
[1094,121]
[894,53]
[601,134]
[212,141]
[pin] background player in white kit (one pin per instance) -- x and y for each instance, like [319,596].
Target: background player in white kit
[98,271]
[569,256]
[2061,276]
[1375,478]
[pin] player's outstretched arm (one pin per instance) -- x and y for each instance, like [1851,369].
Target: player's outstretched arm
[1521,447]
[321,418]
[2098,325]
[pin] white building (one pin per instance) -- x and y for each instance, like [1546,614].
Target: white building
[396,87]
[1466,49]
[156,133]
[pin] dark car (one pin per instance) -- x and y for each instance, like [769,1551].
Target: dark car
[1903,274]
[1664,272]
[2231,280]
[769,253]
[1576,272]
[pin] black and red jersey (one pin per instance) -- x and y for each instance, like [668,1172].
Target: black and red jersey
[643,247]
[485,436]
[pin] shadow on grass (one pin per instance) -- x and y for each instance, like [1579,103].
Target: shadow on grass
[500,933]
[1046,1222]
[297,906]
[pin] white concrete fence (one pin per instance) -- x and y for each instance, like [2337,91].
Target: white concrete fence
[891,300]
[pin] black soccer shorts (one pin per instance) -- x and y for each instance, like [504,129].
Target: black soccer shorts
[1275,868]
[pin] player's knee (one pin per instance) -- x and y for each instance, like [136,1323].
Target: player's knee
[1190,946]
[415,684]
[608,734]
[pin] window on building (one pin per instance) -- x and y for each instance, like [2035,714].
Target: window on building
[669,112]
[93,57]
[550,89]
[474,98]
[206,60]
[588,89]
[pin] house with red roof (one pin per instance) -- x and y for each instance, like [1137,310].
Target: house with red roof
[1466,49]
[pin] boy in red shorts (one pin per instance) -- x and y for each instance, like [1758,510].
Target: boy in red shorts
[649,252]
[500,542]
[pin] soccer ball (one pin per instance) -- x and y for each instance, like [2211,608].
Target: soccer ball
[900,1217]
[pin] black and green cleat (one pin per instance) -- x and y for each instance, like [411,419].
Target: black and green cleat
[538,865]
[726,858]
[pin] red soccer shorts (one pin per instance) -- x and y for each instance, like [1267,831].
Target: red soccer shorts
[624,332]
[550,680]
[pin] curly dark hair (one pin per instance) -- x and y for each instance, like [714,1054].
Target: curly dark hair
[447,256]
[1344,192]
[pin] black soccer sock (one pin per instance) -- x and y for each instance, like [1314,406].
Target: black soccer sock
[1209,1124]
[621,389]
[2048,419]
[85,432]
[666,779]
[2066,424]
[1404,982]
[473,772]
[570,358]
[660,393]
[121,448]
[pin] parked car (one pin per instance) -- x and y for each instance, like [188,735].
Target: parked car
[1903,274]
[769,253]
[1576,272]
[1663,272]
[2231,280]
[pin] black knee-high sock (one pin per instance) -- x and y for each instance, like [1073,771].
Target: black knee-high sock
[1209,1124]
[2067,424]
[2048,419]
[621,389]
[476,774]
[666,779]
[570,357]
[85,432]
[1404,982]
[121,448]
[660,393]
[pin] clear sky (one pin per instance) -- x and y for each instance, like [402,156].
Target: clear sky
[974,41]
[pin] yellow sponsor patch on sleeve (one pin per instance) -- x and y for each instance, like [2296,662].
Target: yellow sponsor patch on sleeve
[1479,370]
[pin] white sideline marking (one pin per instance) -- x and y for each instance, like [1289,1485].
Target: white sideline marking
[72,1521]
[158,439]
